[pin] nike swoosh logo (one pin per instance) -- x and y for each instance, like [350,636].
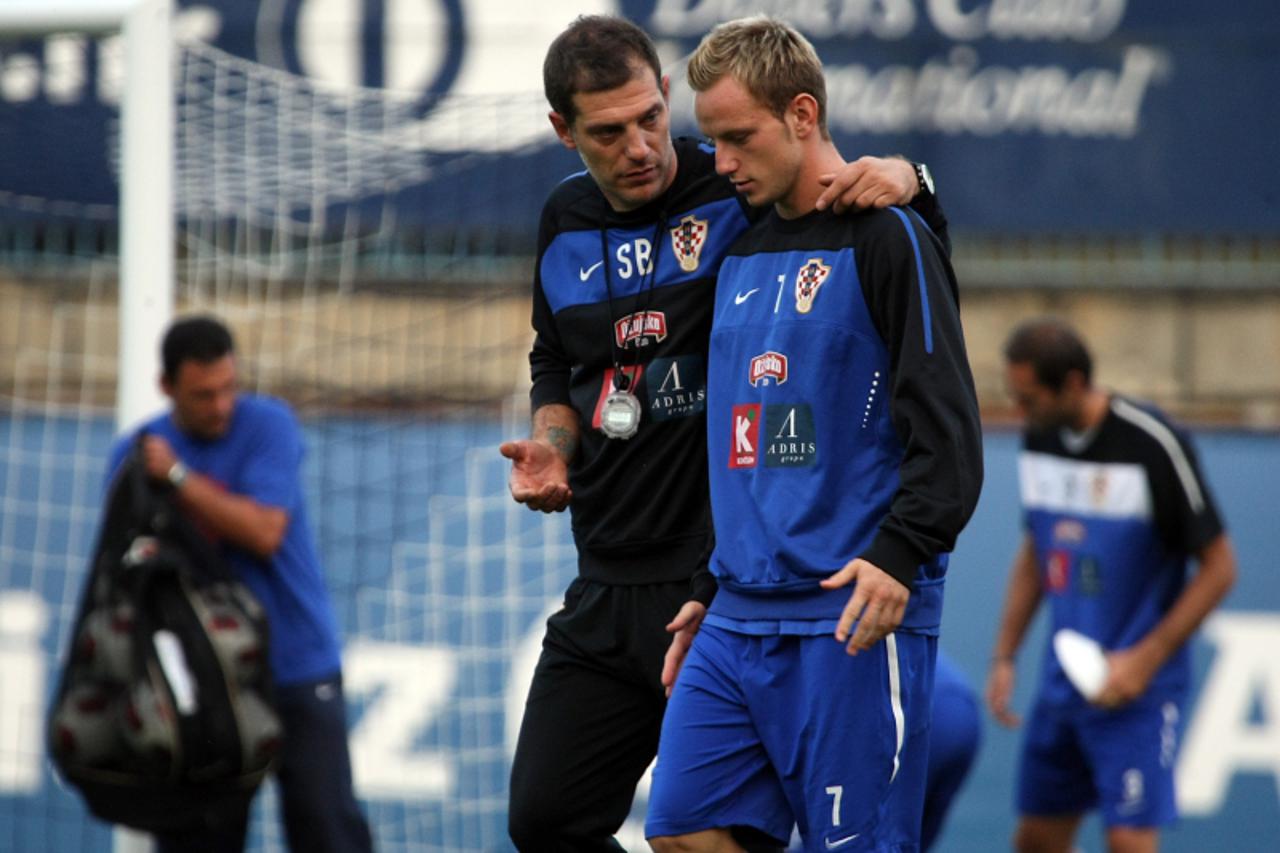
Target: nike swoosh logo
[739,298]
[583,275]
[840,842]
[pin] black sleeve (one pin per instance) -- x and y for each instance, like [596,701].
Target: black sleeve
[549,365]
[1185,512]
[930,209]
[910,288]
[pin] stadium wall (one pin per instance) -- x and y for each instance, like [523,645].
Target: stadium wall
[1210,356]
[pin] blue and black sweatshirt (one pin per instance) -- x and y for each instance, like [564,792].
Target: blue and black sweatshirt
[842,418]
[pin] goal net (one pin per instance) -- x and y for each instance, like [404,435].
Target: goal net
[403,348]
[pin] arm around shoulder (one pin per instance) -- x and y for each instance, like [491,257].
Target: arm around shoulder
[869,182]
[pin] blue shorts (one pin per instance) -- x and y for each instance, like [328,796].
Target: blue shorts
[771,731]
[955,733]
[1122,762]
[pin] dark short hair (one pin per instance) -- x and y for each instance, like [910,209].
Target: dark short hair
[203,339]
[1053,349]
[595,53]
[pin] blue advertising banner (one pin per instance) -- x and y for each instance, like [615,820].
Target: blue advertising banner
[1119,117]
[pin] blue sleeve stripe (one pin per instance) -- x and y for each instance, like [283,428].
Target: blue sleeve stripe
[924,292]
[919,220]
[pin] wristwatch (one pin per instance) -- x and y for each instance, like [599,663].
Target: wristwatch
[177,474]
[924,178]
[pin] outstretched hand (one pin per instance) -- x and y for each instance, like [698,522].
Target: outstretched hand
[877,604]
[683,627]
[539,475]
[869,182]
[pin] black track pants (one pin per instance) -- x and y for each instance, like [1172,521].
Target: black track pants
[593,715]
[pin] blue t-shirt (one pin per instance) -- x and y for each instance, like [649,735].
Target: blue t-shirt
[260,457]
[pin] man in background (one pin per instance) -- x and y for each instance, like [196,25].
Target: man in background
[234,461]
[1114,506]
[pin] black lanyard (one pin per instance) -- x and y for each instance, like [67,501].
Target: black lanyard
[621,381]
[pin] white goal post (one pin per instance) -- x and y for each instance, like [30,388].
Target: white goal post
[146,174]
[146,194]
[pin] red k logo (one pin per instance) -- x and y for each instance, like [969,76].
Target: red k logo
[744,449]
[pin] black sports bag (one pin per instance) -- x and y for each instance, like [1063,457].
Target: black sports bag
[163,717]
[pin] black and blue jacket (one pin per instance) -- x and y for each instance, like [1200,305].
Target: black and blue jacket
[635,287]
[842,416]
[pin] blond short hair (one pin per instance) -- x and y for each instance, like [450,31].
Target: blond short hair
[769,58]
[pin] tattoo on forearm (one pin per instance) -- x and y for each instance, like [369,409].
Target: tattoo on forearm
[562,440]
